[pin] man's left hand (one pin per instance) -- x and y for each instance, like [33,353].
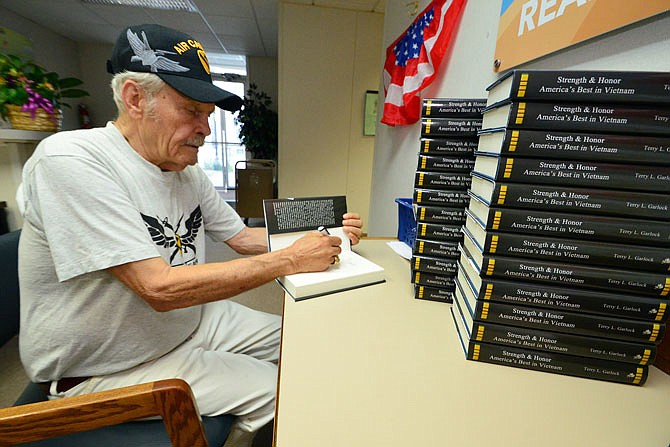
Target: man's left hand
[352,226]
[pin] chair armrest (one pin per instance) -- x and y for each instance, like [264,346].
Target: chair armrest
[171,399]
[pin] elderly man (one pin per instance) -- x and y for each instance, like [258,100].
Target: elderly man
[114,287]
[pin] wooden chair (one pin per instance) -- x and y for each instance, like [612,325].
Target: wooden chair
[170,399]
[104,419]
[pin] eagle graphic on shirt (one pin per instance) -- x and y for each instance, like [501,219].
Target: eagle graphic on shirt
[182,239]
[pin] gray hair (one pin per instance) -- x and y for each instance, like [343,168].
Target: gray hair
[149,82]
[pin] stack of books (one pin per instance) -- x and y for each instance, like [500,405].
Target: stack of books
[565,260]
[446,157]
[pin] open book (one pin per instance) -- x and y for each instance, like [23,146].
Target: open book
[287,220]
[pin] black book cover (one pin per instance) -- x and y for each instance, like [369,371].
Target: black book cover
[556,296]
[607,118]
[463,146]
[450,127]
[550,341]
[442,180]
[439,232]
[453,107]
[581,86]
[440,214]
[568,365]
[569,275]
[572,199]
[303,214]
[592,174]
[432,264]
[437,197]
[578,251]
[443,249]
[574,226]
[613,148]
[443,163]
[444,282]
[432,294]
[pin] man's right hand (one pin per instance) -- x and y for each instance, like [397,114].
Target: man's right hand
[314,252]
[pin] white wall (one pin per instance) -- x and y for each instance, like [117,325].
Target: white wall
[643,46]
[328,58]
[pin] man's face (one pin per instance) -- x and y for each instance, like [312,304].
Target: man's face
[174,129]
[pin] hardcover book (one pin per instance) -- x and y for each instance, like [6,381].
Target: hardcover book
[550,362]
[450,127]
[556,296]
[442,163]
[571,275]
[441,197]
[430,264]
[607,118]
[453,107]
[443,249]
[444,282]
[449,146]
[581,86]
[638,149]
[572,199]
[287,220]
[579,251]
[592,174]
[439,232]
[432,294]
[637,331]
[541,340]
[442,180]
[441,214]
[575,226]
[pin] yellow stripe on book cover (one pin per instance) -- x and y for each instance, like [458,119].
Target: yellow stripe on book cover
[428,123]
[421,178]
[660,312]
[645,357]
[419,247]
[491,266]
[423,162]
[497,217]
[418,196]
[416,263]
[429,103]
[480,333]
[639,374]
[426,145]
[488,292]
[514,140]
[494,243]
[654,332]
[521,111]
[417,277]
[485,311]
[509,164]
[420,291]
[475,351]
[523,84]
[502,194]
[666,289]
[424,227]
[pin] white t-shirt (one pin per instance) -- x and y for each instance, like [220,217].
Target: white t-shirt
[91,202]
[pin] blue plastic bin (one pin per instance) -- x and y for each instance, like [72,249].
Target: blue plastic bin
[406,221]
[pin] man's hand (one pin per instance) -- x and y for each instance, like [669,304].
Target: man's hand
[314,252]
[352,226]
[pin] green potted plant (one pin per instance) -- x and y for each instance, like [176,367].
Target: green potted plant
[32,97]
[258,125]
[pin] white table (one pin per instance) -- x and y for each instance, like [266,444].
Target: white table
[375,367]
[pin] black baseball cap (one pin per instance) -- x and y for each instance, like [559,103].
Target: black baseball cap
[177,58]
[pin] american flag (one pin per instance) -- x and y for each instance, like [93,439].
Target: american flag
[413,59]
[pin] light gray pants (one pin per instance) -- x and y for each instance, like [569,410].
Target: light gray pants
[230,362]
